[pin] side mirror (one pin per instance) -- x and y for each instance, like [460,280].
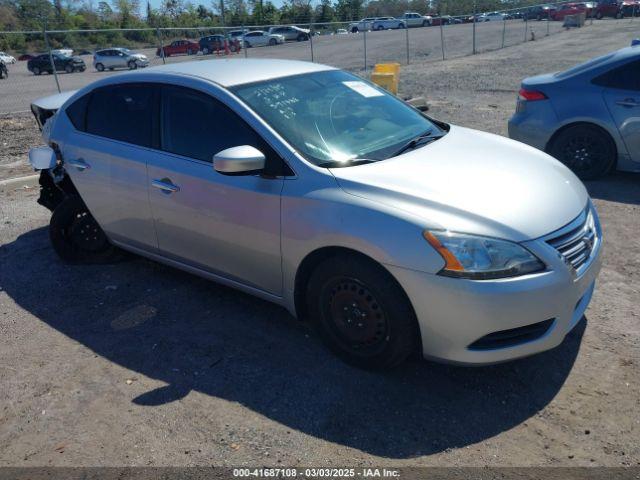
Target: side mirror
[42,158]
[242,159]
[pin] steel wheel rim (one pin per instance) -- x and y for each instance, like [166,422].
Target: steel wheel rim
[355,317]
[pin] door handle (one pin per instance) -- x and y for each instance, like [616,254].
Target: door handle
[628,102]
[165,185]
[80,164]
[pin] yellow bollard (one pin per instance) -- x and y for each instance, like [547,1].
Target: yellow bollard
[387,75]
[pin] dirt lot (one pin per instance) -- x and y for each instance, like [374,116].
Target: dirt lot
[140,364]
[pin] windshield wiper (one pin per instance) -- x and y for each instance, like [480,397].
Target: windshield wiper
[348,163]
[421,139]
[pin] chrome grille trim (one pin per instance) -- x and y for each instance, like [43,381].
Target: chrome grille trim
[576,241]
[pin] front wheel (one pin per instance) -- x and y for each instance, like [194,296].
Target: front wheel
[272,41]
[100,67]
[599,15]
[361,313]
[619,15]
[36,71]
[132,65]
[76,236]
[68,69]
[586,150]
[205,51]
[401,25]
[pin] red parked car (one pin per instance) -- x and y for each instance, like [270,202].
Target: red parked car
[179,47]
[568,9]
[25,56]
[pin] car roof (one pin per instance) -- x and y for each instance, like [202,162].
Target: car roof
[231,72]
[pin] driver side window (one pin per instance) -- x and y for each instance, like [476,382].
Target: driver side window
[197,126]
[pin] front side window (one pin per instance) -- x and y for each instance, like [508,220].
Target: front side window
[122,112]
[334,116]
[195,125]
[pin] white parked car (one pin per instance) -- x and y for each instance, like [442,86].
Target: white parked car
[341,31]
[413,19]
[67,52]
[6,58]
[363,25]
[386,23]
[495,16]
[259,38]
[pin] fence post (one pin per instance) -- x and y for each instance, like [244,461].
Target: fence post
[526,24]
[406,30]
[364,36]
[504,30]
[244,45]
[311,40]
[548,22]
[474,31]
[442,37]
[53,65]
[160,45]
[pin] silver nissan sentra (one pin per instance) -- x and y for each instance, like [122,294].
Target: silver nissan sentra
[387,230]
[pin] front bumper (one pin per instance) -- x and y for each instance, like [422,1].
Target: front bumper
[454,313]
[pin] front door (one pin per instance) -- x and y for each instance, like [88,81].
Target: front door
[227,225]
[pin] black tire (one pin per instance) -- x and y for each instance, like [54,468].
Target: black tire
[424,23]
[247,44]
[401,26]
[354,30]
[100,67]
[191,52]
[272,41]
[619,15]
[379,27]
[361,313]
[76,236]
[599,15]
[132,64]
[205,50]
[586,149]
[68,68]
[36,70]
[302,37]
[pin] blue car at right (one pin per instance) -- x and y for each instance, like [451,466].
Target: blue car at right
[588,117]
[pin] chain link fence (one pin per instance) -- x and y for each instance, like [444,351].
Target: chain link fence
[337,44]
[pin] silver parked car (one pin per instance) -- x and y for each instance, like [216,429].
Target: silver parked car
[310,187]
[291,32]
[587,116]
[259,38]
[111,58]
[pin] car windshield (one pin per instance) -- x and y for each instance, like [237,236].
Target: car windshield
[334,116]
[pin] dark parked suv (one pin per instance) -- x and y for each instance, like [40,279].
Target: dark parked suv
[214,43]
[42,63]
[539,12]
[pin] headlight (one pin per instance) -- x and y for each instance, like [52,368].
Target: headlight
[481,258]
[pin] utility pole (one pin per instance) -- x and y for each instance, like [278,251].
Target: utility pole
[222,13]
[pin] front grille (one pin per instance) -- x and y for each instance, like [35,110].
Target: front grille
[576,242]
[512,337]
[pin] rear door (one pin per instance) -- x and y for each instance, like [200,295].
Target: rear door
[228,225]
[106,155]
[622,96]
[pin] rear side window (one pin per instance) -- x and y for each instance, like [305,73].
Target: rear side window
[124,113]
[77,112]
[626,77]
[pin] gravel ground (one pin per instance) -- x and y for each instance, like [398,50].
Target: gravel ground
[140,364]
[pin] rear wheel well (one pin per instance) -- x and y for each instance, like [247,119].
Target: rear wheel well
[549,144]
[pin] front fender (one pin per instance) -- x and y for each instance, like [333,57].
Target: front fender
[329,217]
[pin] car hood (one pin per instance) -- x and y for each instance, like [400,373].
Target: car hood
[473,182]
